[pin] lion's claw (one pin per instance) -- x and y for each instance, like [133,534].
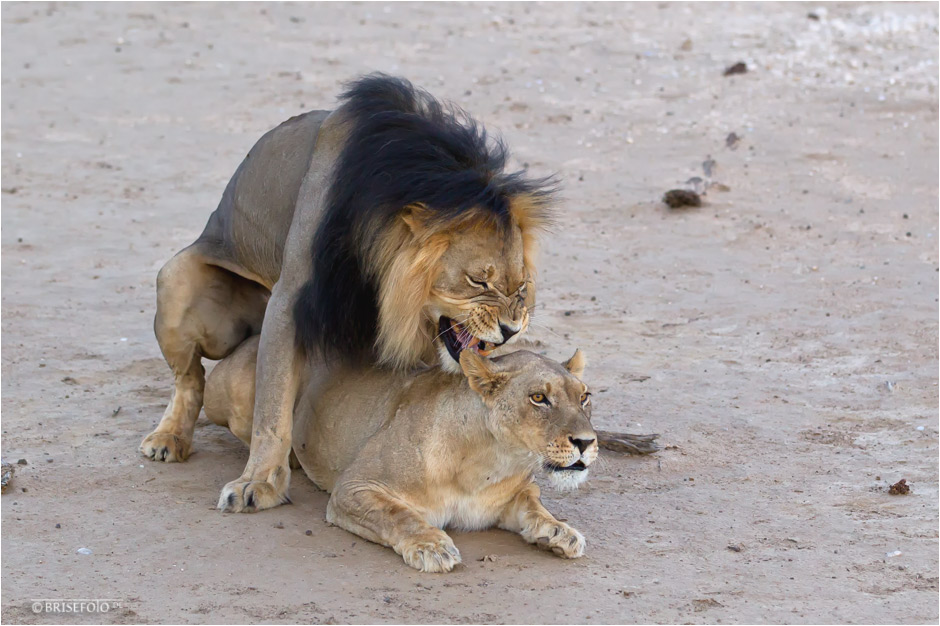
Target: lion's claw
[165,447]
[248,496]
[561,539]
[434,556]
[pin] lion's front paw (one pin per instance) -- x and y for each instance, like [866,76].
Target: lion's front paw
[560,538]
[248,496]
[165,447]
[433,556]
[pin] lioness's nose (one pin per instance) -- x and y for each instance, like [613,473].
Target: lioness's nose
[582,444]
[508,333]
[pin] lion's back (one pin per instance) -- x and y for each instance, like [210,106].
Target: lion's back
[250,226]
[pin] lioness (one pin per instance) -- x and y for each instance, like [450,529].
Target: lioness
[405,456]
[387,231]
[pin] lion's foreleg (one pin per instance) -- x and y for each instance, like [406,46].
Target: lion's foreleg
[369,511]
[526,515]
[266,478]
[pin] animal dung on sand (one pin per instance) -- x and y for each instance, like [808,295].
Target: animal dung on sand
[678,198]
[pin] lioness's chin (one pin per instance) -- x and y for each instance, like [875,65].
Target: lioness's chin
[567,480]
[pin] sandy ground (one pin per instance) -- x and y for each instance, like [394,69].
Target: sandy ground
[782,338]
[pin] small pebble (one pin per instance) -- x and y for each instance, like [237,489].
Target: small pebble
[84,551]
[58,525]
[891,554]
[738,68]
[22,462]
[900,488]
[308,533]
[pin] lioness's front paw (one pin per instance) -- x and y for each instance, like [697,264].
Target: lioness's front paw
[165,447]
[432,556]
[248,496]
[561,539]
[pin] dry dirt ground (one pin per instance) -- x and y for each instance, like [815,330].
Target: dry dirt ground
[782,338]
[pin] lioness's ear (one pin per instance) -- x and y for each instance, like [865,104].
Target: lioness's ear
[576,364]
[479,374]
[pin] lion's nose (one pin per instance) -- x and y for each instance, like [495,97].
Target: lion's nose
[508,333]
[582,444]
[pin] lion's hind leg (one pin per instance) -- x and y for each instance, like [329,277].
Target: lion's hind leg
[230,390]
[202,311]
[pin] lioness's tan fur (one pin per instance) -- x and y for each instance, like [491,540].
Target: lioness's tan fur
[405,456]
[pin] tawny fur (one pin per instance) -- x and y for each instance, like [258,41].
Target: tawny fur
[405,456]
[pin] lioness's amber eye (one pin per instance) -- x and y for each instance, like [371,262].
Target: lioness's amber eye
[538,398]
[585,397]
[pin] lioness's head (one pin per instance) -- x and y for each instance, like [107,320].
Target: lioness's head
[540,406]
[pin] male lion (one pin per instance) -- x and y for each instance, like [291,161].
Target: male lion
[385,232]
[405,456]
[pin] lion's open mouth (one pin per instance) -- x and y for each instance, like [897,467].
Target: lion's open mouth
[577,466]
[457,339]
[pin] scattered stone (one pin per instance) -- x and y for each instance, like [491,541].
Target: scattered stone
[6,476]
[697,183]
[734,548]
[705,604]
[115,412]
[279,525]
[489,558]
[738,68]
[888,555]
[812,16]
[686,45]
[84,551]
[308,533]
[900,488]
[732,141]
[708,166]
[58,525]
[22,462]
[678,198]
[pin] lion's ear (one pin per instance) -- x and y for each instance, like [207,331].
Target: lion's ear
[479,374]
[576,364]
[415,216]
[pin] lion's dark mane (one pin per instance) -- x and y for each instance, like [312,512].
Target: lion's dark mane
[404,147]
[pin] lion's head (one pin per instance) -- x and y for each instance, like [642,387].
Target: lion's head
[462,285]
[426,245]
[540,406]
